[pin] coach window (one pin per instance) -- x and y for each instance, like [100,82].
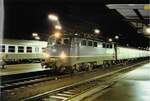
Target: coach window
[36,49]
[29,49]
[89,43]
[107,46]
[2,48]
[43,50]
[20,49]
[95,44]
[11,48]
[110,45]
[83,42]
[104,45]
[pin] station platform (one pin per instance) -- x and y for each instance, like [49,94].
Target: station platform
[135,86]
[20,68]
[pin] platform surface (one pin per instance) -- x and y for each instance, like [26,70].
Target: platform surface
[134,87]
[20,68]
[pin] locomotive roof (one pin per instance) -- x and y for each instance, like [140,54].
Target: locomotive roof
[85,36]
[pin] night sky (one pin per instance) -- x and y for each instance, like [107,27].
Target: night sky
[22,18]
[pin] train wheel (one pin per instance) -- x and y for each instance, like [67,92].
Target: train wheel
[62,69]
[90,67]
[76,68]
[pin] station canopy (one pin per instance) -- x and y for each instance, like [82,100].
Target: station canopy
[138,15]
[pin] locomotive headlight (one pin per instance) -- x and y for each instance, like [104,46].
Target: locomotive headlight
[57,35]
[46,55]
[63,55]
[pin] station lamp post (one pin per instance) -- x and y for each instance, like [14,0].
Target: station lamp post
[53,17]
[35,36]
[57,35]
[55,20]
[147,30]
[58,27]
[96,31]
[116,37]
[110,39]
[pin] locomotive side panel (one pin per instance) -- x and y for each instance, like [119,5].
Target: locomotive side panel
[85,53]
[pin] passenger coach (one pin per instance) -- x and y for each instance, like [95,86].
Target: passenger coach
[21,51]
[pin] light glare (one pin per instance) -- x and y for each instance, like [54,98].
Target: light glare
[57,35]
[148,30]
[58,27]
[110,40]
[63,55]
[34,34]
[97,31]
[116,37]
[52,17]
[37,38]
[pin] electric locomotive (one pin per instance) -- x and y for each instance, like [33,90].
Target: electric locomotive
[76,53]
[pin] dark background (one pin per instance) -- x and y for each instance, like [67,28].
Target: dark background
[23,17]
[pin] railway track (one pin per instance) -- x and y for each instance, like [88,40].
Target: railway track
[80,90]
[29,81]
[25,79]
[11,84]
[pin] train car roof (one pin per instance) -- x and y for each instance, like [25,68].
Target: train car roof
[23,42]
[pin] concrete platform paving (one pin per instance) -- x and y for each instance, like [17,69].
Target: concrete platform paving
[21,68]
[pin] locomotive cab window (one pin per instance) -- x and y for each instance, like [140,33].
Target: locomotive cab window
[29,49]
[58,41]
[2,48]
[11,48]
[89,43]
[66,41]
[83,42]
[95,44]
[20,49]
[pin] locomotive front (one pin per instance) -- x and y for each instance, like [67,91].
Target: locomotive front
[56,55]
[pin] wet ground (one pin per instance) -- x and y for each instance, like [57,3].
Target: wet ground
[134,87]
